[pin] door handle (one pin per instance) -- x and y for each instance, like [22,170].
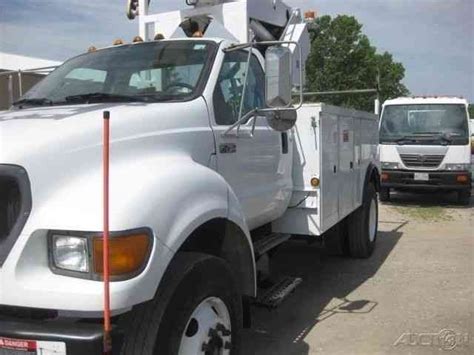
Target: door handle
[284,143]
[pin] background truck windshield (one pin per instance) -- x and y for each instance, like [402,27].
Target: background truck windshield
[155,71]
[417,124]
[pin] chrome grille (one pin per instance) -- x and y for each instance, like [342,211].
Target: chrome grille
[422,161]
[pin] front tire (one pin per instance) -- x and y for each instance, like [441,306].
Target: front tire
[197,306]
[464,197]
[384,194]
[363,225]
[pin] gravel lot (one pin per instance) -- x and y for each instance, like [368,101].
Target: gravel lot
[414,296]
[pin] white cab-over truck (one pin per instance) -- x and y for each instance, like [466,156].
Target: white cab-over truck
[212,166]
[425,145]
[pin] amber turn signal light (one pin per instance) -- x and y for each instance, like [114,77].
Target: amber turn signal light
[462,179]
[315,182]
[385,177]
[128,254]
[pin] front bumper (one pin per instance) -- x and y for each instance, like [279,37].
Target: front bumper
[442,180]
[69,338]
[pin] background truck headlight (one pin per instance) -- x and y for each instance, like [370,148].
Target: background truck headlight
[457,167]
[70,253]
[390,166]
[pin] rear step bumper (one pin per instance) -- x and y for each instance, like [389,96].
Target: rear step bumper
[79,338]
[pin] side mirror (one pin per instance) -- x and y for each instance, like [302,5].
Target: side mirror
[278,77]
[281,120]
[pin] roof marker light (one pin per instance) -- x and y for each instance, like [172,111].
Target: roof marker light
[310,15]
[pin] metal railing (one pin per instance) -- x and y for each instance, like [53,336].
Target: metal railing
[375,92]
[18,74]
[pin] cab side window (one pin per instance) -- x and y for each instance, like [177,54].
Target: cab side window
[230,85]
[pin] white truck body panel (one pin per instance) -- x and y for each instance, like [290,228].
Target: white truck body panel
[336,146]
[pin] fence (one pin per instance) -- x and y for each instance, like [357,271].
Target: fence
[14,83]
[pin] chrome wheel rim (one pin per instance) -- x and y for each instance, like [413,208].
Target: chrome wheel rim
[208,330]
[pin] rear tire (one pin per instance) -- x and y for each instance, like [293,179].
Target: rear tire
[464,197]
[335,240]
[198,296]
[384,194]
[363,225]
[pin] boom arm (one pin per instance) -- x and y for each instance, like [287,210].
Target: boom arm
[241,21]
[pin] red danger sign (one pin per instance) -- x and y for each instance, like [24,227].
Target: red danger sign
[17,344]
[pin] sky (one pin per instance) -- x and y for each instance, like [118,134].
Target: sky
[434,39]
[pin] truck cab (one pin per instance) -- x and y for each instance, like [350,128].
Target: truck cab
[425,145]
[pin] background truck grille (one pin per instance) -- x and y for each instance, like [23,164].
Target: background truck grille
[422,161]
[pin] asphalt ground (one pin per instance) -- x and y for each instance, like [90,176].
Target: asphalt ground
[415,295]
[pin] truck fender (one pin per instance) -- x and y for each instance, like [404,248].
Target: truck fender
[172,195]
[372,175]
[226,237]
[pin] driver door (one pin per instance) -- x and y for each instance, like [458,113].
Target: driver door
[257,166]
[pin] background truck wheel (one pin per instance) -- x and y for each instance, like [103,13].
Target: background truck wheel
[384,194]
[335,240]
[363,225]
[197,309]
[464,197]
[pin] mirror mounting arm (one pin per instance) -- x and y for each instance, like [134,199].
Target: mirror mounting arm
[248,115]
[244,89]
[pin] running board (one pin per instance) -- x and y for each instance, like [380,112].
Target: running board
[268,242]
[280,291]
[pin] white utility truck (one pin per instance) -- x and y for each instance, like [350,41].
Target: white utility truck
[212,166]
[425,145]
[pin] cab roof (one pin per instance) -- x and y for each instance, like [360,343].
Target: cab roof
[426,100]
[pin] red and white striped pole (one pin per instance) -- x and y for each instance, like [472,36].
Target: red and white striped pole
[106,164]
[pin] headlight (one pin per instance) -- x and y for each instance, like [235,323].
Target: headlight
[79,254]
[70,253]
[390,166]
[457,167]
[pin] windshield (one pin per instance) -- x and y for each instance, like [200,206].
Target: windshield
[151,72]
[430,124]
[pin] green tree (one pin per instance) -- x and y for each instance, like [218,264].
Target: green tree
[342,58]
[471,111]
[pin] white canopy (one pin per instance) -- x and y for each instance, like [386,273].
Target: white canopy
[20,62]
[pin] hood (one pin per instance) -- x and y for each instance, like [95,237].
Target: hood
[42,135]
[61,147]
